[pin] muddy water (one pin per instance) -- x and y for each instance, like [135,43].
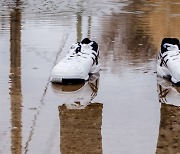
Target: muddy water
[130,111]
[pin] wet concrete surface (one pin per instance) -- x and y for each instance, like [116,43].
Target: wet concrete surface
[121,110]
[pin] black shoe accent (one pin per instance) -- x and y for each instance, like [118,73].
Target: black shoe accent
[95,46]
[86,41]
[72,81]
[163,61]
[177,84]
[78,49]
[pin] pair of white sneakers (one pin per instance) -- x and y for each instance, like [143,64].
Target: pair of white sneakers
[81,61]
[168,64]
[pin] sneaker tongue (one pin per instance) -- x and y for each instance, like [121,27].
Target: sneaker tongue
[86,47]
[170,47]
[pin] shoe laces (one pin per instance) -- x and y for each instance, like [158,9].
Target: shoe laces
[79,51]
[73,52]
[87,51]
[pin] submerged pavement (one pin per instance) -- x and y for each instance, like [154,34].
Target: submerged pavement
[121,111]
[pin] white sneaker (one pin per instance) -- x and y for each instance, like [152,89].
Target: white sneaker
[75,67]
[168,64]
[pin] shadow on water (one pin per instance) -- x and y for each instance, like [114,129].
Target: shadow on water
[169,130]
[80,118]
[80,129]
[15,80]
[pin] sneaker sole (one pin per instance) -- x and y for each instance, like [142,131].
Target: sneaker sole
[68,80]
[176,82]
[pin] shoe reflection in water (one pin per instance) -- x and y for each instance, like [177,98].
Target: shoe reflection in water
[77,96]
[168,92]
[169,131]
[81,120]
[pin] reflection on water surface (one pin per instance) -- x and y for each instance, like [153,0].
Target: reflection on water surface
[169,130]
[38,117]
[15,81]
[80,130]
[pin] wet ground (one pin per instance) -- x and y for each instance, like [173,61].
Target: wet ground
[125,109]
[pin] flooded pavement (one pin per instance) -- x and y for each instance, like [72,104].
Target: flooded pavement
[123,110]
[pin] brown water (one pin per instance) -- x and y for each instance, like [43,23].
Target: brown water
[130,112]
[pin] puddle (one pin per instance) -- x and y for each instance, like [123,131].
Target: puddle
[123,111]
